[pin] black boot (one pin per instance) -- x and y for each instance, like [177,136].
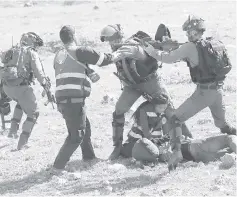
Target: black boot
[175,143]
[23,140]
[228,130]
[117,141]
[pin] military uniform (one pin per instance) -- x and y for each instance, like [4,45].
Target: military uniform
[21,91]
[72,88]
[141,77]
[149,125]
[208,91]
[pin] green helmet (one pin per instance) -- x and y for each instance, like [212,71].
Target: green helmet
[111,32]
[194,23]
[31,39]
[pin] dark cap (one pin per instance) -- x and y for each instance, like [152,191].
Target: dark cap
[160,99]
[67,33]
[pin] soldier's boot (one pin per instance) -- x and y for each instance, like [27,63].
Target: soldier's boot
[118,127]
[15,121]
[23,140]
[228,130]
[176,157]
[175,141]
[117,142]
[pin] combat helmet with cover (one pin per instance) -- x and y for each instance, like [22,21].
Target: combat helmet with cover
[214,62]
[16,58]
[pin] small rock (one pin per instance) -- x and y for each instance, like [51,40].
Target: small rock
[116,167]
[96,7]
[227,161]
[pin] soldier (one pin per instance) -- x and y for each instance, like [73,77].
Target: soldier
[139,77]
[72,88]
[21,63]
[199,54]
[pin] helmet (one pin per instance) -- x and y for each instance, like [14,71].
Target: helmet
[111,32]
[194,23]
[31,39]
[160,99]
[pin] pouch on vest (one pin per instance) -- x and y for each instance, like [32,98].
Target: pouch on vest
[14,64]
[214,58]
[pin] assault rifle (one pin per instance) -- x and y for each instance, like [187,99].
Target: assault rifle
[166,45]
[50,96]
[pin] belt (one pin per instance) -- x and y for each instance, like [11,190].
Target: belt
[209,86]
[72,100]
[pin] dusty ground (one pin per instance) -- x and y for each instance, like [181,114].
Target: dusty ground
[23,173]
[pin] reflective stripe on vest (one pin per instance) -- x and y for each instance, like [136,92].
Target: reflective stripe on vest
[71,80]
[135,132]
[156,134]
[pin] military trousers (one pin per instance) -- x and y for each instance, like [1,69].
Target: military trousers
[154,86]
[79,133]
[200,99]
[26,102]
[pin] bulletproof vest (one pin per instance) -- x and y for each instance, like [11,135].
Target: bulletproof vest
[213,64]
[136,71]
[71,81]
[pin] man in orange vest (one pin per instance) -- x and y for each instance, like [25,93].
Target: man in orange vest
[72,88]
[140,73]
[149,121]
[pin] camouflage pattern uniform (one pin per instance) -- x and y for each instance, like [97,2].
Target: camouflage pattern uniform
[140,70]
[21,91]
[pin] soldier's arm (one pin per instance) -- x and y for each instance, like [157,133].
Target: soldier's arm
[182,53]
[37,67]
[143,119]
[134,52]
[88,55]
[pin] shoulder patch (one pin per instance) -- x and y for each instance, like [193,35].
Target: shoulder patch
[61,56]
[163,120]
[151,114]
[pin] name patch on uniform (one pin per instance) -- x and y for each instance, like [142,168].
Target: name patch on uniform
[61,56]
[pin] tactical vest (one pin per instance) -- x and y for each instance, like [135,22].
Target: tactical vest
[137,71]
[155,123]
[71,81]
[202,73]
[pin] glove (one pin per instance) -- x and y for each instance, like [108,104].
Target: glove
[94,77]
[122,53]
[46,84]
[150,50]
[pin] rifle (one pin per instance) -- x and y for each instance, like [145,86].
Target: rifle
[166,45]
[145,95]
[50,96]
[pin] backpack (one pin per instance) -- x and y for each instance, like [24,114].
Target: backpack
[213,58]
[14,61]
